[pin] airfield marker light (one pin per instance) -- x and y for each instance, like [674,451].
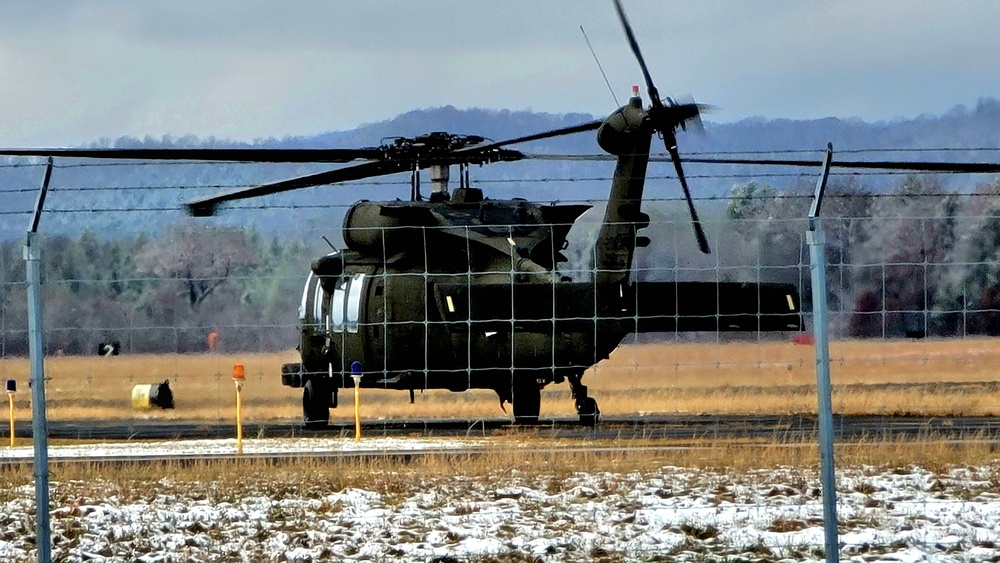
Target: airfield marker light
[11,389]
[239,377]
[356,376]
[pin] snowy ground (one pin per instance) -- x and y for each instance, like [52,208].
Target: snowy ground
[671,514]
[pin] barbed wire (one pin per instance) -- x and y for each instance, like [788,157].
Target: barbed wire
[23,165]
[572,201]
[513,181]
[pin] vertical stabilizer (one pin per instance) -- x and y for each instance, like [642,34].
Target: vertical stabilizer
[626,135]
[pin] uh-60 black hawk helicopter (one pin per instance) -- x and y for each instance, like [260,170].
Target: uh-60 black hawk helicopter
[457,291]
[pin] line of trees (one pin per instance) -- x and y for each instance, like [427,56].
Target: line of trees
[919,261]
[162,294]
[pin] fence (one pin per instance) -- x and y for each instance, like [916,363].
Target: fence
[913,291]
[914,288]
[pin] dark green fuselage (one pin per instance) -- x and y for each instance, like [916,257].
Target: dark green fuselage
[466,293]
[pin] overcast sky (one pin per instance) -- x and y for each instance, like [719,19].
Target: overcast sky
[74,71]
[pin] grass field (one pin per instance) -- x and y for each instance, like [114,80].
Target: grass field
[933,377]
[929,377]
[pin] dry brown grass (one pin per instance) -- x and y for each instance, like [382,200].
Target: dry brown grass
[934,377]
[876,377]
[509,456]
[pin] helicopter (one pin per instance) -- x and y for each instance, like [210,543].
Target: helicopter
[454,290]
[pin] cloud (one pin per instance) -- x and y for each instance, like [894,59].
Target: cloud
[80,70]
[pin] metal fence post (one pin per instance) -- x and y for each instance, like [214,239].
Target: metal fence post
[39,425]
[817,267]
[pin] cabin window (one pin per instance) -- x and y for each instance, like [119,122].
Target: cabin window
[357,283]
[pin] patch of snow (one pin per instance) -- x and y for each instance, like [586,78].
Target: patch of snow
[672,513]
[251,446]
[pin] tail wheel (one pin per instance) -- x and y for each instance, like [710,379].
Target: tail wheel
[316,404]
[527,400]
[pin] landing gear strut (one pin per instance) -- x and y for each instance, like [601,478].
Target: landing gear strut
[586,406]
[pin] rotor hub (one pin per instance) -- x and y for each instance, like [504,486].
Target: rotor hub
[441,147]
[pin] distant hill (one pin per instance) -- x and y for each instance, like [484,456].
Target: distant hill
[93,197]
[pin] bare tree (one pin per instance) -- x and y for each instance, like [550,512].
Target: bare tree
[201,259]
[903,263]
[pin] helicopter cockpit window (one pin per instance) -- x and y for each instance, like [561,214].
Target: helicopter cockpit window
[337,305]
[354,302]
[317,316]
[304,305]
[345,304]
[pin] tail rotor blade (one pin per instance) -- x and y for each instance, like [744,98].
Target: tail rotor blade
[665,120]
[654,95]
[699,233]
[690,113]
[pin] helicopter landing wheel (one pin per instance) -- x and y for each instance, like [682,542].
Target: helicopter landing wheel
[588,411]
[315,404]
[527,400]
[586,406]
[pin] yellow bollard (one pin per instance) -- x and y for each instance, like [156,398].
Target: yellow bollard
[239,376]
[356,376]
[11,389]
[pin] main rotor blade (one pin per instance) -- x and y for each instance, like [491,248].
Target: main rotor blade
[967,167]
[588,126]
[206,206]
[218,155]
[654,95]
[699,233]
